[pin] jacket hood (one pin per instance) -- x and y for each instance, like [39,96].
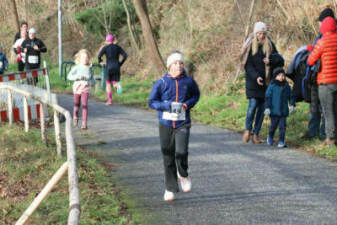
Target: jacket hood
[328,25]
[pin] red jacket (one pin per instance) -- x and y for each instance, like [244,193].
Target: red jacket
[326,50]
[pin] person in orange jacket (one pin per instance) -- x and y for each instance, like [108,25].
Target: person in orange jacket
[326,50]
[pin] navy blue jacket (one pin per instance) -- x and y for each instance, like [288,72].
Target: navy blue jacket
[166,90]
[4,62]
[278,95]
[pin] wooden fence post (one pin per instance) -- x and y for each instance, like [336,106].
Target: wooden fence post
[57,133]
[74,193]
[43,124]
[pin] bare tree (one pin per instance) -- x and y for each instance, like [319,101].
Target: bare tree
[151,45]
[15,13]
[131,31]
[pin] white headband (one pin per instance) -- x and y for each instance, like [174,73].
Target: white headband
[32,31]
[174,57]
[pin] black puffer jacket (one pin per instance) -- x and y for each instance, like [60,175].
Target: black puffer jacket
[255,68]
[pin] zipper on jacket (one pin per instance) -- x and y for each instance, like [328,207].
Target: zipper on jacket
[177,94]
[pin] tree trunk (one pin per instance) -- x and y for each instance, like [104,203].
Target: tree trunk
[15,13]
[151,45]
[132,35]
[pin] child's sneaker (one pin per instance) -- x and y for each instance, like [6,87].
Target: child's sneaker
[119,88]
[75,121]
[281,144]
[109,103]
[168,196]
[84,126]
[270,140]
[185,183]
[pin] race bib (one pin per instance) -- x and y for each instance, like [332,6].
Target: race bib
[177,112]
[174,116]
[33,59]
[1,64]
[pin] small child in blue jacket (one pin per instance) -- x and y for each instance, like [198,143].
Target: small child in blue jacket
[3,61]
[278,96]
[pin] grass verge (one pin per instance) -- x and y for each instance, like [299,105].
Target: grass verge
[26,165]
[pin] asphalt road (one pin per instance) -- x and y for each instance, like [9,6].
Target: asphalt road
[233,182]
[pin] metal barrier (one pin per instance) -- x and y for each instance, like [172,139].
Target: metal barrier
[45,97]
[39,75]
[65,68]
[99,78]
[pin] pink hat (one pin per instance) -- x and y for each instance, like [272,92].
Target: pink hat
[110,38]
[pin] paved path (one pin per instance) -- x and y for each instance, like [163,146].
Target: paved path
[233,182]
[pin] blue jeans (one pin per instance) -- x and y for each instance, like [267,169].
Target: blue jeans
[255,110]
[278,121]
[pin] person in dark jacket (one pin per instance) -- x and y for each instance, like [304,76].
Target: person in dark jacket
[112,52]
[173,96]
[33,47]
[23,28]
[262,58]
[3,61]
[278,96]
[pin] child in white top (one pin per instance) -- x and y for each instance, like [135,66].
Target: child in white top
[82,75]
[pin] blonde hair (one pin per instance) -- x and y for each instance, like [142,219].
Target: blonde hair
[255,45]
[78,56]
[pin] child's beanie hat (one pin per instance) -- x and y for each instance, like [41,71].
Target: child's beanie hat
[277,71]
[326,13]
[176,56]
[260,27]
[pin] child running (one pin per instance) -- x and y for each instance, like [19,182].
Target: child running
[81,74]
[278,95]
[112,52]
[3,61]
[173,96]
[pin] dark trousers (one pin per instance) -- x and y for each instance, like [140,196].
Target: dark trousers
[174,147]
[278,121]
[316,125]
[21,66]
[328,98]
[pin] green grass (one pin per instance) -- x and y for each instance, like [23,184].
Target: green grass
[26,165]
[226,108]
[135,89]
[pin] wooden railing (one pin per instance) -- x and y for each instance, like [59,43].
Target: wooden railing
[70,164]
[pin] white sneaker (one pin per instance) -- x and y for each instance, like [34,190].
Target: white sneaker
[185,183]
[168,196]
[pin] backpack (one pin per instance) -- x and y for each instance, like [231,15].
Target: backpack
[304,77]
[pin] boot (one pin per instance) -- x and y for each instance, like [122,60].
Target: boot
[246,136]
[256,139]
[329,142]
